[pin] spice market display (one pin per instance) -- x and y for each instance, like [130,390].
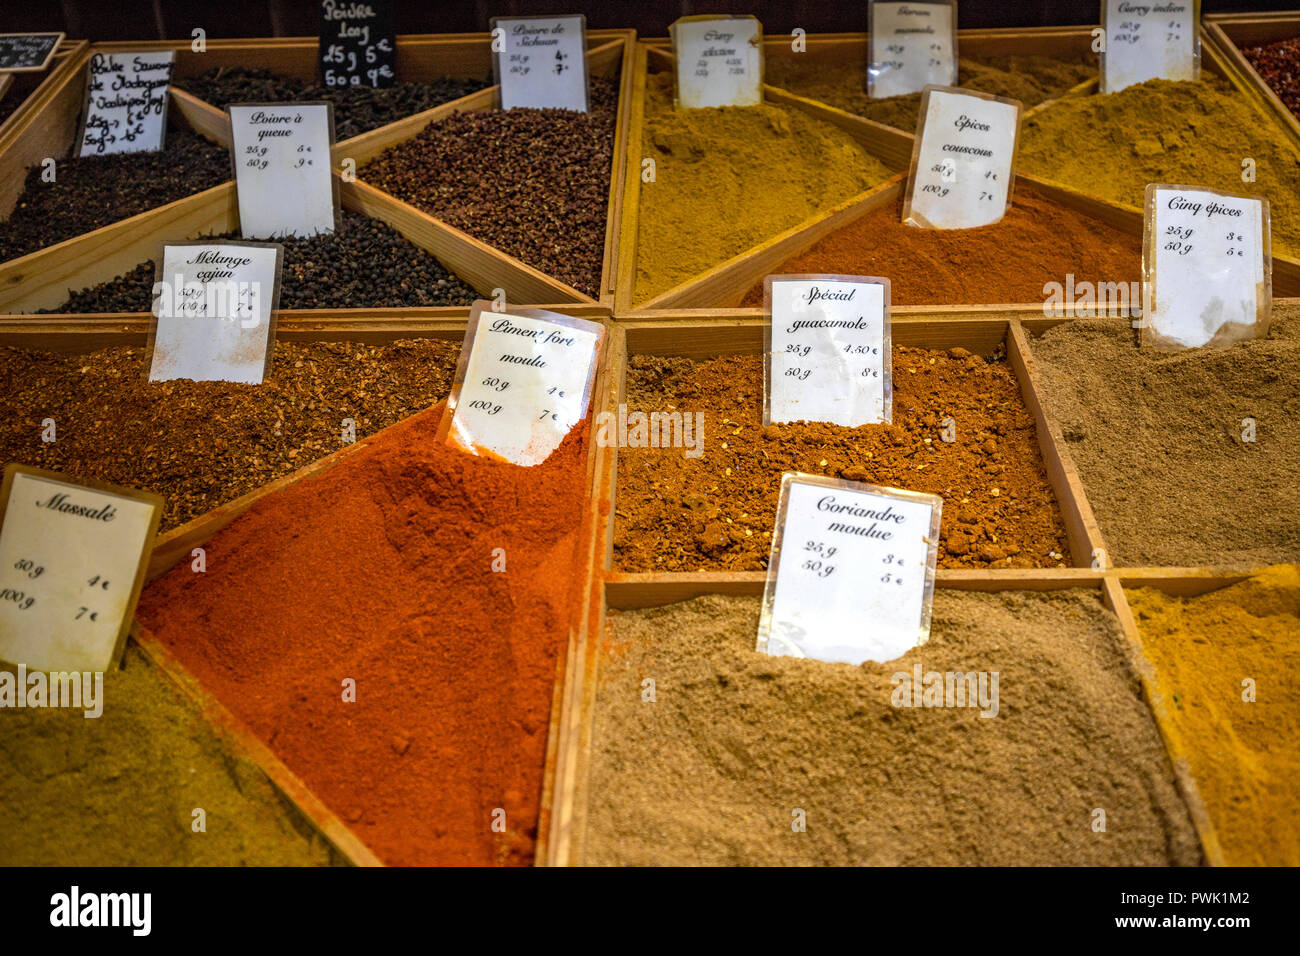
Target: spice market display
[749,448]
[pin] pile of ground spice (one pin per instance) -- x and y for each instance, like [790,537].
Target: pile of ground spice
[712,770]
[728,179]
[444,585]
[1031,79]
[199,444]
[1243,753]
[1037,242]
[1158,441]
[534,183]
[716,512]
[1278,64]
[121,789]
[1162,131]
[90,192]
[357,109]
[364,263]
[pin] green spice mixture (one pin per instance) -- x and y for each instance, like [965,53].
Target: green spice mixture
[121,789]
[727,179]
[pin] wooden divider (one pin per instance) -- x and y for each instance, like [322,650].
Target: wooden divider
[44,126]
[695,335]
[1226,34]
[724,285]
[23,90]
[1160,709]
[44,278]
[176,546]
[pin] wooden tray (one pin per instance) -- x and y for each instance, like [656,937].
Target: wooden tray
[27,90]
[853,48]
[1229,32]
[880,141]
[43,278]
[176,545]
[695,335]
[724,285]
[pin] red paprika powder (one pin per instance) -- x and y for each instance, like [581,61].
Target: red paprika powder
[385,570]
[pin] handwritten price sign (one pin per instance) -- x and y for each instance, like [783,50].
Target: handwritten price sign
[851,577]
[72,563]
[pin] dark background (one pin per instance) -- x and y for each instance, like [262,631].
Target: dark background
[171,19]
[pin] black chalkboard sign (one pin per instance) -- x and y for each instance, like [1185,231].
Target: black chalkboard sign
[27,52]
[358,43]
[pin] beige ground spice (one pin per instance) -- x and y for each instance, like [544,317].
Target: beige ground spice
[728,179]
[121,789]
[735,741]
[1031,79]
[1158,441]
[199,444]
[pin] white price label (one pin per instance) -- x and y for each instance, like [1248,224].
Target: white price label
[913,45]
[72,562]
[828,358]
[851,576]
[213,303]
[282,168]
[524,380]
[1147,40]
[126,103]
[1207,271]
[963,160]
[719,61]
[543,62]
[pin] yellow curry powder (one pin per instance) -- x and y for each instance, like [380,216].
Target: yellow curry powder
[728,179]
[1160,131]
[1209,652]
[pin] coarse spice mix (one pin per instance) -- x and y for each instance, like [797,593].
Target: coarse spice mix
[716,512]
[201,444]
[1278,64]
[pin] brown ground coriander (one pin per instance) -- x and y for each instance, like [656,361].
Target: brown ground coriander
[1158,440]
[716,512]
[712,770]
[200,444]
